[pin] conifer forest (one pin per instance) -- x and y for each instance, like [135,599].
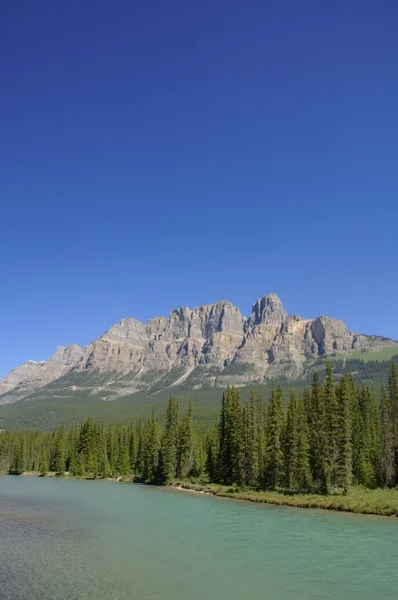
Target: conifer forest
[334,435]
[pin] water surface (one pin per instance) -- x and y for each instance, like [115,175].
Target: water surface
[83,540]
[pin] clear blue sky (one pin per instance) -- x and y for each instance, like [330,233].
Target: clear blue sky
[159,154]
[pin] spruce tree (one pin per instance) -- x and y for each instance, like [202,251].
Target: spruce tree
[386,470]
[150,449]
[185,446]
[168,450]
[393,401]
[212,455]
[304,479]
[319,435]
[331,421]
[252,460]
[19,465]
[274,436]
[345,400]
[291,444]
[59,452]
[44,462]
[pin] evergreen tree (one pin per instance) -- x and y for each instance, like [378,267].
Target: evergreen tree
[274,436]
[345,400]
[168,450]
[59,465]
[291,444]
[19,464]
[212,455]
[185,446]
[44,462]
[393,402]
[319,435]
[252,460]
[303,473]
[150,449]
[331,424]
[386,470]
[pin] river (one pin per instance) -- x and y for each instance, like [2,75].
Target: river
[83,540]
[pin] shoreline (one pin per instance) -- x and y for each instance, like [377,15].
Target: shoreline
[379,502]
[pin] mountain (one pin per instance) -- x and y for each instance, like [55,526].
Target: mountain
[209,346]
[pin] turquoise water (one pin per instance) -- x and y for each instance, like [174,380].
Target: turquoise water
[77,540]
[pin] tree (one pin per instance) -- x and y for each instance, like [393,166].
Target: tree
[393,401]
[212,455]
[149,449]
[386,470]
[19,463]
[185,446]
[44,462]
[291,444]
[303,472]
[252,459]
[274,435]
[329,443]
[319,435]
[345,396]
[168,451]
[59,453]
[231,433]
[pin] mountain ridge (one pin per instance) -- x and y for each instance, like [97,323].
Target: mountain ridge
[212,344]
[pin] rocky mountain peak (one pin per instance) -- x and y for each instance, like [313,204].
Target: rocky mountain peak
[268,310]
[208,345]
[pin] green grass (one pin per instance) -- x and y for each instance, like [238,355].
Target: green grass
[382,502]
[379,355]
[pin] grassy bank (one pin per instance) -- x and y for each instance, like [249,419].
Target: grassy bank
[382,502]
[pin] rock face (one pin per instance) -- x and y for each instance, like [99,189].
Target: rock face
[32,374]
[213,340]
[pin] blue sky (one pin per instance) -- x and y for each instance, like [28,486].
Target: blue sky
[161,154]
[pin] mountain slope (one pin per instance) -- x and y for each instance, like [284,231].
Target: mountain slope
[209,346]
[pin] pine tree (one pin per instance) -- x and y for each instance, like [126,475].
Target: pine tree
[185,446]
[133,439]
[123,458]
[236,434]
[393,401]
[252,460]
[150,449]
[212,455]
[274,436]
[304,479]
[386,470]
[44,462]
[19,464]
[168,449]
[319,435]
[224,451]
[365,438]
[345,400]
[330,450]
[59,452]
[291,444]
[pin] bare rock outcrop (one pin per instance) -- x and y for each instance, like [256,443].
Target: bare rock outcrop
[213,337]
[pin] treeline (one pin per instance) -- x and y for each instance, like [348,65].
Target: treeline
[144,451]
[332,436]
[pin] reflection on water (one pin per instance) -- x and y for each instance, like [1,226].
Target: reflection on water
[91,540]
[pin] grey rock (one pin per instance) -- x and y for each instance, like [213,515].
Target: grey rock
[213,340]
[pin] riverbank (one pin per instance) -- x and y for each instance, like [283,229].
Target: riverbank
[382,502]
